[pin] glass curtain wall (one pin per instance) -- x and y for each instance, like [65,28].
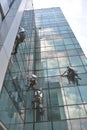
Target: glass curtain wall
[56,47]
[49,47]
[13,95]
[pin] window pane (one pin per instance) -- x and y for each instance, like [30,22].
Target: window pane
[68,41]
[60,125]
[53,72]
[72,95]
[70,47]
[43,126]
[58,42]
[83,79]
[60,48]
[72,52]
[56,97]
[43,64]
[52,63]
[84,60]
[83,91]
[63,62]
[80,69]
[75,61]
[77,111]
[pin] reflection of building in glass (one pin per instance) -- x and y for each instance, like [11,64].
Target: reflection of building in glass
[48,48]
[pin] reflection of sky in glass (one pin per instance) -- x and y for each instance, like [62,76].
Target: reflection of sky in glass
[48,31]
[60,48]
[49,43]
[68,41]
[43,63]
[72,95]
[61,53]
[63,62]
[80,69]
[42,73]
[42,44]
[77,111]
[58,42]
[70,47]
[84,60]
[52,63]
[50,48]
[53,72]
[83,91]
[75,60]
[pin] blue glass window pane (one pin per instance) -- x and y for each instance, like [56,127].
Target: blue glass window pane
[83,91]
[58,42]
[75,61]
[29,115]
[53,72]
[83,80]
[70,47]
[68,41]
[86,68]
[59,48]
[60,125]
[84,60]
[80,69]
[72,52]
[28,126]
[43,125]
[42,73]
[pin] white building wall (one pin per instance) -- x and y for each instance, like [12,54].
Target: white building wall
[8,33]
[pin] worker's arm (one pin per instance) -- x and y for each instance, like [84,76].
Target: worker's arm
[63,73]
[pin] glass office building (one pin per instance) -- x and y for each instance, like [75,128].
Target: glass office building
[48,48]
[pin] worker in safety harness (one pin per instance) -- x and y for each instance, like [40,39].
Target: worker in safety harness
[71,75]
[19,39]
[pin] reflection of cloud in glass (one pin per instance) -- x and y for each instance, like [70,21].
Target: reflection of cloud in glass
[73,98]
[77,111]
[61,53]
[52,63]
[49,43]
[59,41]
[63,62]
[43,49]
[42,43]
[47,34]
[72,95]
[48,31]
[51,48]
[53,80]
